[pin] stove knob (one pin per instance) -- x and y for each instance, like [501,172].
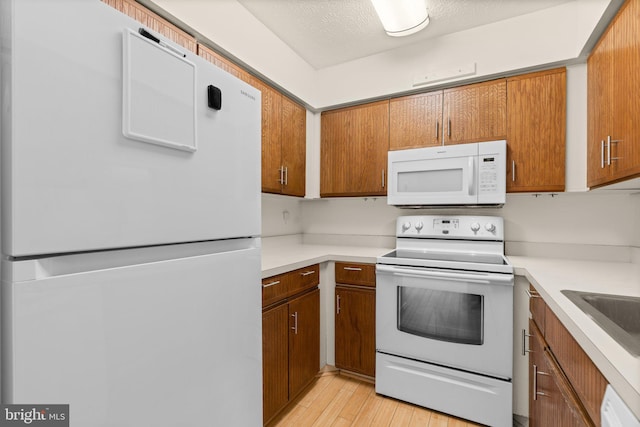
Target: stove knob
[419,225]
[490,227]
[406,226]
[475,227]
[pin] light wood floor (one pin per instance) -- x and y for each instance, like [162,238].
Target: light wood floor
[338,401]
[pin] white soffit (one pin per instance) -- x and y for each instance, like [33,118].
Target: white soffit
[329,32]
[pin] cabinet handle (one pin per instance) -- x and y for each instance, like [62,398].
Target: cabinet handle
[286,175]
[602,154]
[437,130]
[281,170]
[307,273]
[524,342]
[612,141]
[353,268]
[449,127]
[513,171]
[537,393]
[268,285]
[337,304]
[608,150]
[532,294]
[382,178]
[295,322]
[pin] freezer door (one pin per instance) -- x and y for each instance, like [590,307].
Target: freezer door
[170,342]
[73,182]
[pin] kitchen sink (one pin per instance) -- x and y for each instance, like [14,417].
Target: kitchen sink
[618,315]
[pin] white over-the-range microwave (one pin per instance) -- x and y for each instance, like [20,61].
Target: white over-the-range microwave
[450,175]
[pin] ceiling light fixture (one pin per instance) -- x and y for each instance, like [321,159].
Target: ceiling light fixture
[402,17]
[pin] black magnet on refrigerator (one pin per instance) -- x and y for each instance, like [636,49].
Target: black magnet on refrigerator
[214,97]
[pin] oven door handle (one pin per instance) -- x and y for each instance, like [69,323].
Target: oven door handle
[481,278]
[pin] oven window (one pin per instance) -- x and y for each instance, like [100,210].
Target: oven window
[441,315]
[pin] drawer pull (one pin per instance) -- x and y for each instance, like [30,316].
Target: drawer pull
[306,273]
[268,285]
[524,342]
[353,268]
[532,294]
[295,322]
[537,393]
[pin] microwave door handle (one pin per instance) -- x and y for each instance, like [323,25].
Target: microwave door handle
[472,175]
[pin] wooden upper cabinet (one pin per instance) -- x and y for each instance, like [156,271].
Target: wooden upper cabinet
[354,145]
[284,127]
[613,83]
[415,121]
[294,140]
[475,113]
[536,131]
[271,139]
[154,22]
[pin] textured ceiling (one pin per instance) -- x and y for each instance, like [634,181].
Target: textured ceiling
[329,32]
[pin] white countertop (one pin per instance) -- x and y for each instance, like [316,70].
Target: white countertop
[548,275]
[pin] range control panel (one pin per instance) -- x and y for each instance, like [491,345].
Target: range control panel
[455,227]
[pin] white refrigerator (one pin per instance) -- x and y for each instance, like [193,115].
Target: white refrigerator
[130,223]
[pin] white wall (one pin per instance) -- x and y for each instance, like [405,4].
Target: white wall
[281,215]
[602,220]
[545,37]
[581,225]
[230,27]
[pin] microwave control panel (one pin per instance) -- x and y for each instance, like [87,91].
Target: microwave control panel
[488,175]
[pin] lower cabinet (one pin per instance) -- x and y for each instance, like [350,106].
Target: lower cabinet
[275,360]
[304,341]
[290,337]
[552,401]
[565,388]
[355,318]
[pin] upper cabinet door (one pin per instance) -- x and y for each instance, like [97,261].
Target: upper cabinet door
[600,110]
[625,133]
[613,104]
[271,138]
[284,138]
[475,113]
[415,121]
[294,140]
[536,130]
[354,145]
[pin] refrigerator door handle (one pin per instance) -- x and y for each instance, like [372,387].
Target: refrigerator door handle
[42,268]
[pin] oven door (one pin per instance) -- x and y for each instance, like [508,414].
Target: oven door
[454,318]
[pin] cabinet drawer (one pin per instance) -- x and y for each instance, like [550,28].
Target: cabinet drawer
[304,278]
[356,274]
[274,289]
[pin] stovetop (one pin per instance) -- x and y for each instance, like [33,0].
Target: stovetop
[471,243]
